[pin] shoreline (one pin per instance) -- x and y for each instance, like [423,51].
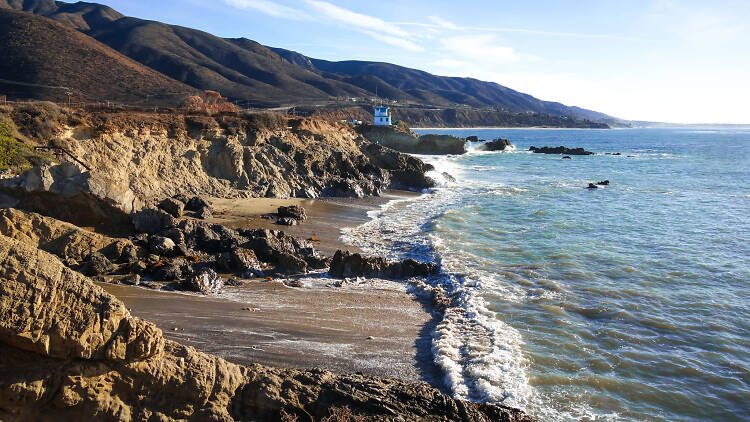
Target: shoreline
[377,328]
[325,216]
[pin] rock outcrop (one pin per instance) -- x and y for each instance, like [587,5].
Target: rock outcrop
[560,150]
[57,237]
[346,264]
[498,144]
[70,351]
[410,142]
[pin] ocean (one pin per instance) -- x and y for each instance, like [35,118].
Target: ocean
[628,302]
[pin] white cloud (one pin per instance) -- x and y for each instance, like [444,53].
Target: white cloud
[395,41]
[703,26]
[482,49]
[355,19]
[270,8]
[442,23]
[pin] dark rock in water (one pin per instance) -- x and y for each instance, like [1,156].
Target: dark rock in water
[131,280]
[293,211]
[205,281]
[160,245]
[567,157]
[97,264]
[151,221]
[448,177]
[286,221]
[603,183]
[498,144]
[346,264]
[196,203]
[560,150]
[592,186]
[472,139]
[173,207]
[612,153]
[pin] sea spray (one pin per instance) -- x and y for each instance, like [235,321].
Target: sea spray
[481,356]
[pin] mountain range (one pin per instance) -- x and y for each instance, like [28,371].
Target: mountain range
[171,60]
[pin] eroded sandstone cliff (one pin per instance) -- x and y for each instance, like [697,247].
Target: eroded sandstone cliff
[138,157]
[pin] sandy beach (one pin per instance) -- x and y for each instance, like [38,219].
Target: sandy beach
[376,329]
[325,217]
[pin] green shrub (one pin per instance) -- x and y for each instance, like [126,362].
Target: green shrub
[16,155]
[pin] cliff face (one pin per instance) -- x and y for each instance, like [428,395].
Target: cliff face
[138,157]
[70,351]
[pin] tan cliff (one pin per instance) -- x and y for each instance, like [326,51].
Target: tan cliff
[136,158]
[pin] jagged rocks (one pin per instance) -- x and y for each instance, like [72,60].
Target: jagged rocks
[131,280]
[498,144]
[204,281]
[200,207]
[152,221]
[346,264]
[293,211]
[291,264]
[173,207]
[286,221]
[97,264]
[160,245]
[560,150]
[60,238]
[169,271]
[406,172]
[241,261]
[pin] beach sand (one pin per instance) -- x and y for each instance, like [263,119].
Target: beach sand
[326,216]
[374,328]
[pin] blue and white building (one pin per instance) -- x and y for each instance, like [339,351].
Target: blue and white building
[382,118]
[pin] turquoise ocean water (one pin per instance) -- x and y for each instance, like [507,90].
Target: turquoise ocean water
[630,302]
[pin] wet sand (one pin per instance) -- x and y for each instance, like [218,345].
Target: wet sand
[377,329]
[325,217]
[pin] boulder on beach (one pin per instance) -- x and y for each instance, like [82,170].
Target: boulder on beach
[292,211]
[204,281]
[346,264]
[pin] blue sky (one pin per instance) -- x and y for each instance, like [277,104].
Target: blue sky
[663,60]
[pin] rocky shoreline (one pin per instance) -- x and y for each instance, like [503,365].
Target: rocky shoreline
[140,215]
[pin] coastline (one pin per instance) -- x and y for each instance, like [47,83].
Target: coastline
[375,327]
[325,216]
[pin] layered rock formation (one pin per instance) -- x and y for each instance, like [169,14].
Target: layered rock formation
[136,159]
[70,351]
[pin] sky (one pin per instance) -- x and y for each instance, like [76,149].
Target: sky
[657,60]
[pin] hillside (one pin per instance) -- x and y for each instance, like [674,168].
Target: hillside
[38,51]
[260,76]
